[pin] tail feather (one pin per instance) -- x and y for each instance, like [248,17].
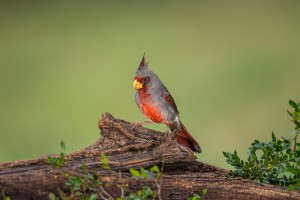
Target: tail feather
[184,138]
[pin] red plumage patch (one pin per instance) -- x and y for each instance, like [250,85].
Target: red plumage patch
[152,112]
[149,108]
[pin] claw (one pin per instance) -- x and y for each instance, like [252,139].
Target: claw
[137,124]
[172,137]
[166,133]
[174,134]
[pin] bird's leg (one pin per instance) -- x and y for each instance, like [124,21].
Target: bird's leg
[166,132]
[137,124]
[172,136]
[174,133]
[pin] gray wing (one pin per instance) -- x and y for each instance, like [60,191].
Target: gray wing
[167,96]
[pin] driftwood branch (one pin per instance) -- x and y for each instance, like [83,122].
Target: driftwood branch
[127,148]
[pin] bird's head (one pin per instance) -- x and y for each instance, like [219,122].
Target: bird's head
[144,76]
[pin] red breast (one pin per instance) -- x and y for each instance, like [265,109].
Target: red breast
[149,108]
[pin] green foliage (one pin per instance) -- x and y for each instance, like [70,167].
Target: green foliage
[155,174]
[142,173]
[86,186]
[135,172]
[52,196]
[197,196]
[104,162]
[4,196]
[58,161]
[63,146]
[145,193]
[155,169]
[279,163]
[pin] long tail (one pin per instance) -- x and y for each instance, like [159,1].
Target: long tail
[184,138]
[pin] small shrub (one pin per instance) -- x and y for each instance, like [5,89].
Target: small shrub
[279,163]
[58,161]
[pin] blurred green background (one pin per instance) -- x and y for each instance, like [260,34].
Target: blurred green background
[231,66]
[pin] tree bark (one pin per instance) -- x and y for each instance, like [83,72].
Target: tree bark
[128,148]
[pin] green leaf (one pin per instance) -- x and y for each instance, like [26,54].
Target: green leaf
[226,154]
[148,192]
[74,182]
[204,192]
[155,169]
[194,197]
[57,162]
[93,196]
[51,196]
[291,187]
[104,161]
[62,157]
[293,170]
[290,114]
[62,145]
[140,193]
[258,145]
[135,172]
[273,137]
[144,173]
[90,176]
[293,104]
[83,167]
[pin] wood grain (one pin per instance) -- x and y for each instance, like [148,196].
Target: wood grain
[127,148]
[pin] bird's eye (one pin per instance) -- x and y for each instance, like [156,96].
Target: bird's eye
[145,80]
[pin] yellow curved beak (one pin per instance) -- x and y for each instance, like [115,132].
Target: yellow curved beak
[137,85]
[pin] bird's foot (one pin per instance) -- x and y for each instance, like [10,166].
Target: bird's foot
[166,133]
[174,134]
[172,137]
[138,124]
[135,125]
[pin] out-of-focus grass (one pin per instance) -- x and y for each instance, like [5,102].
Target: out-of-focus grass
[231,67]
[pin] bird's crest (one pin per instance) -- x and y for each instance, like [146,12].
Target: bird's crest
[143,63]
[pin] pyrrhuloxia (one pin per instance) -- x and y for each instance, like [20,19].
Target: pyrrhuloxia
[156,102]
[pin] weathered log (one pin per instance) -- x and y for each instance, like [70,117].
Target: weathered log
[127,148]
